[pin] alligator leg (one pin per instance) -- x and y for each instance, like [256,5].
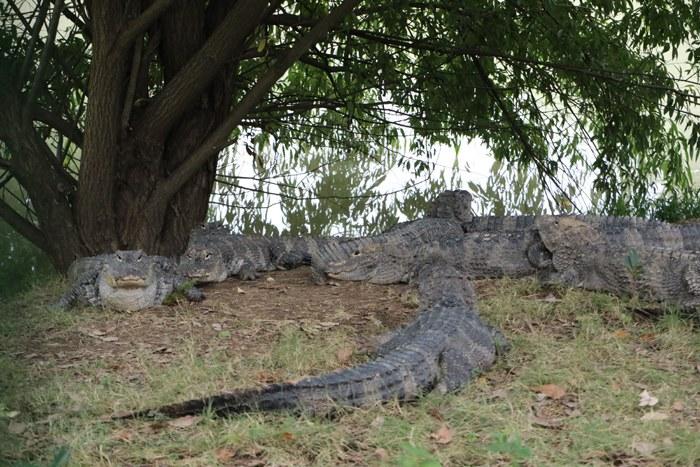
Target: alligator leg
[83,289]
[247,272]
[455,369]
[194,294]
[501,342]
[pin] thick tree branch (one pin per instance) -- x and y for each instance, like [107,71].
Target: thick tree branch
[131,86]
[219,136]
[189,83]
[23,226]
[139,25]
[43,61]
[66,128]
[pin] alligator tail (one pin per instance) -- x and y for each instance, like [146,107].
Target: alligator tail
[402,374]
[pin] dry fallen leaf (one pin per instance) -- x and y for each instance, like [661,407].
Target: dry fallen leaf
[443,435]
[109,339]
[648,337]
[547,422]
[377,422]
[382,454]
[551,390]
[654,416]
[287,436]
[184,422]
[621,333]
[16,428]
[264,376]
[240,290]
[344,353]
[678,406]
[643,447]
[225,454]
[647,399]
[123,435]
[11,414]
[435,413]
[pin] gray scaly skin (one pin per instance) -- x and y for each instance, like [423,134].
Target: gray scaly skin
[624,231]
[214,253]
[582,257]
[390,257]
[443,348]
[127,280]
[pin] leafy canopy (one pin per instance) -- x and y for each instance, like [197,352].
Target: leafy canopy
[545,84]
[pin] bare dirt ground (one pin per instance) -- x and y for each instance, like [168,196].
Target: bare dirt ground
[238,317]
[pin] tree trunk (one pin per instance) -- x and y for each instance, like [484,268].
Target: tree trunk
[148,163]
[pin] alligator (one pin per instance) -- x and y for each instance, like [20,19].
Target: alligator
[624,231]
[126,280]
[214,253]
[443,348]
[584,257]
[390,257]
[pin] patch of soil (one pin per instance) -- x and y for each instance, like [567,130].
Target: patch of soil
[238,317]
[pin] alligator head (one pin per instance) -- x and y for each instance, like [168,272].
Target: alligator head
[376,263]
[128,280]
[203,264]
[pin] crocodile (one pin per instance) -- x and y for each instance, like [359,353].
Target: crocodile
[443,348]
[126,280]
[214,253]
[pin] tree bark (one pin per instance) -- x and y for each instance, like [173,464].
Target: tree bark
[51,190]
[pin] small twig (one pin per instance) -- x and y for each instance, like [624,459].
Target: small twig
[43,61]
[26,64]
[139,25]
[131,87]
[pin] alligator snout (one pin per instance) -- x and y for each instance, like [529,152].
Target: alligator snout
[130,282]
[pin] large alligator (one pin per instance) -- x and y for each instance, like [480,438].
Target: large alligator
[443,348]
[625,231]
[584,257]
[390,257]
[126,280]
[214,253]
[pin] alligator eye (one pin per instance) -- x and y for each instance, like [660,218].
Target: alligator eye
[119,257]
[207,256]
[356,253]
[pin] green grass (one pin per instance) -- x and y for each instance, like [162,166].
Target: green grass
[589,344]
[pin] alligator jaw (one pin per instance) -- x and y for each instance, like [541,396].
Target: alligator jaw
[130,282]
